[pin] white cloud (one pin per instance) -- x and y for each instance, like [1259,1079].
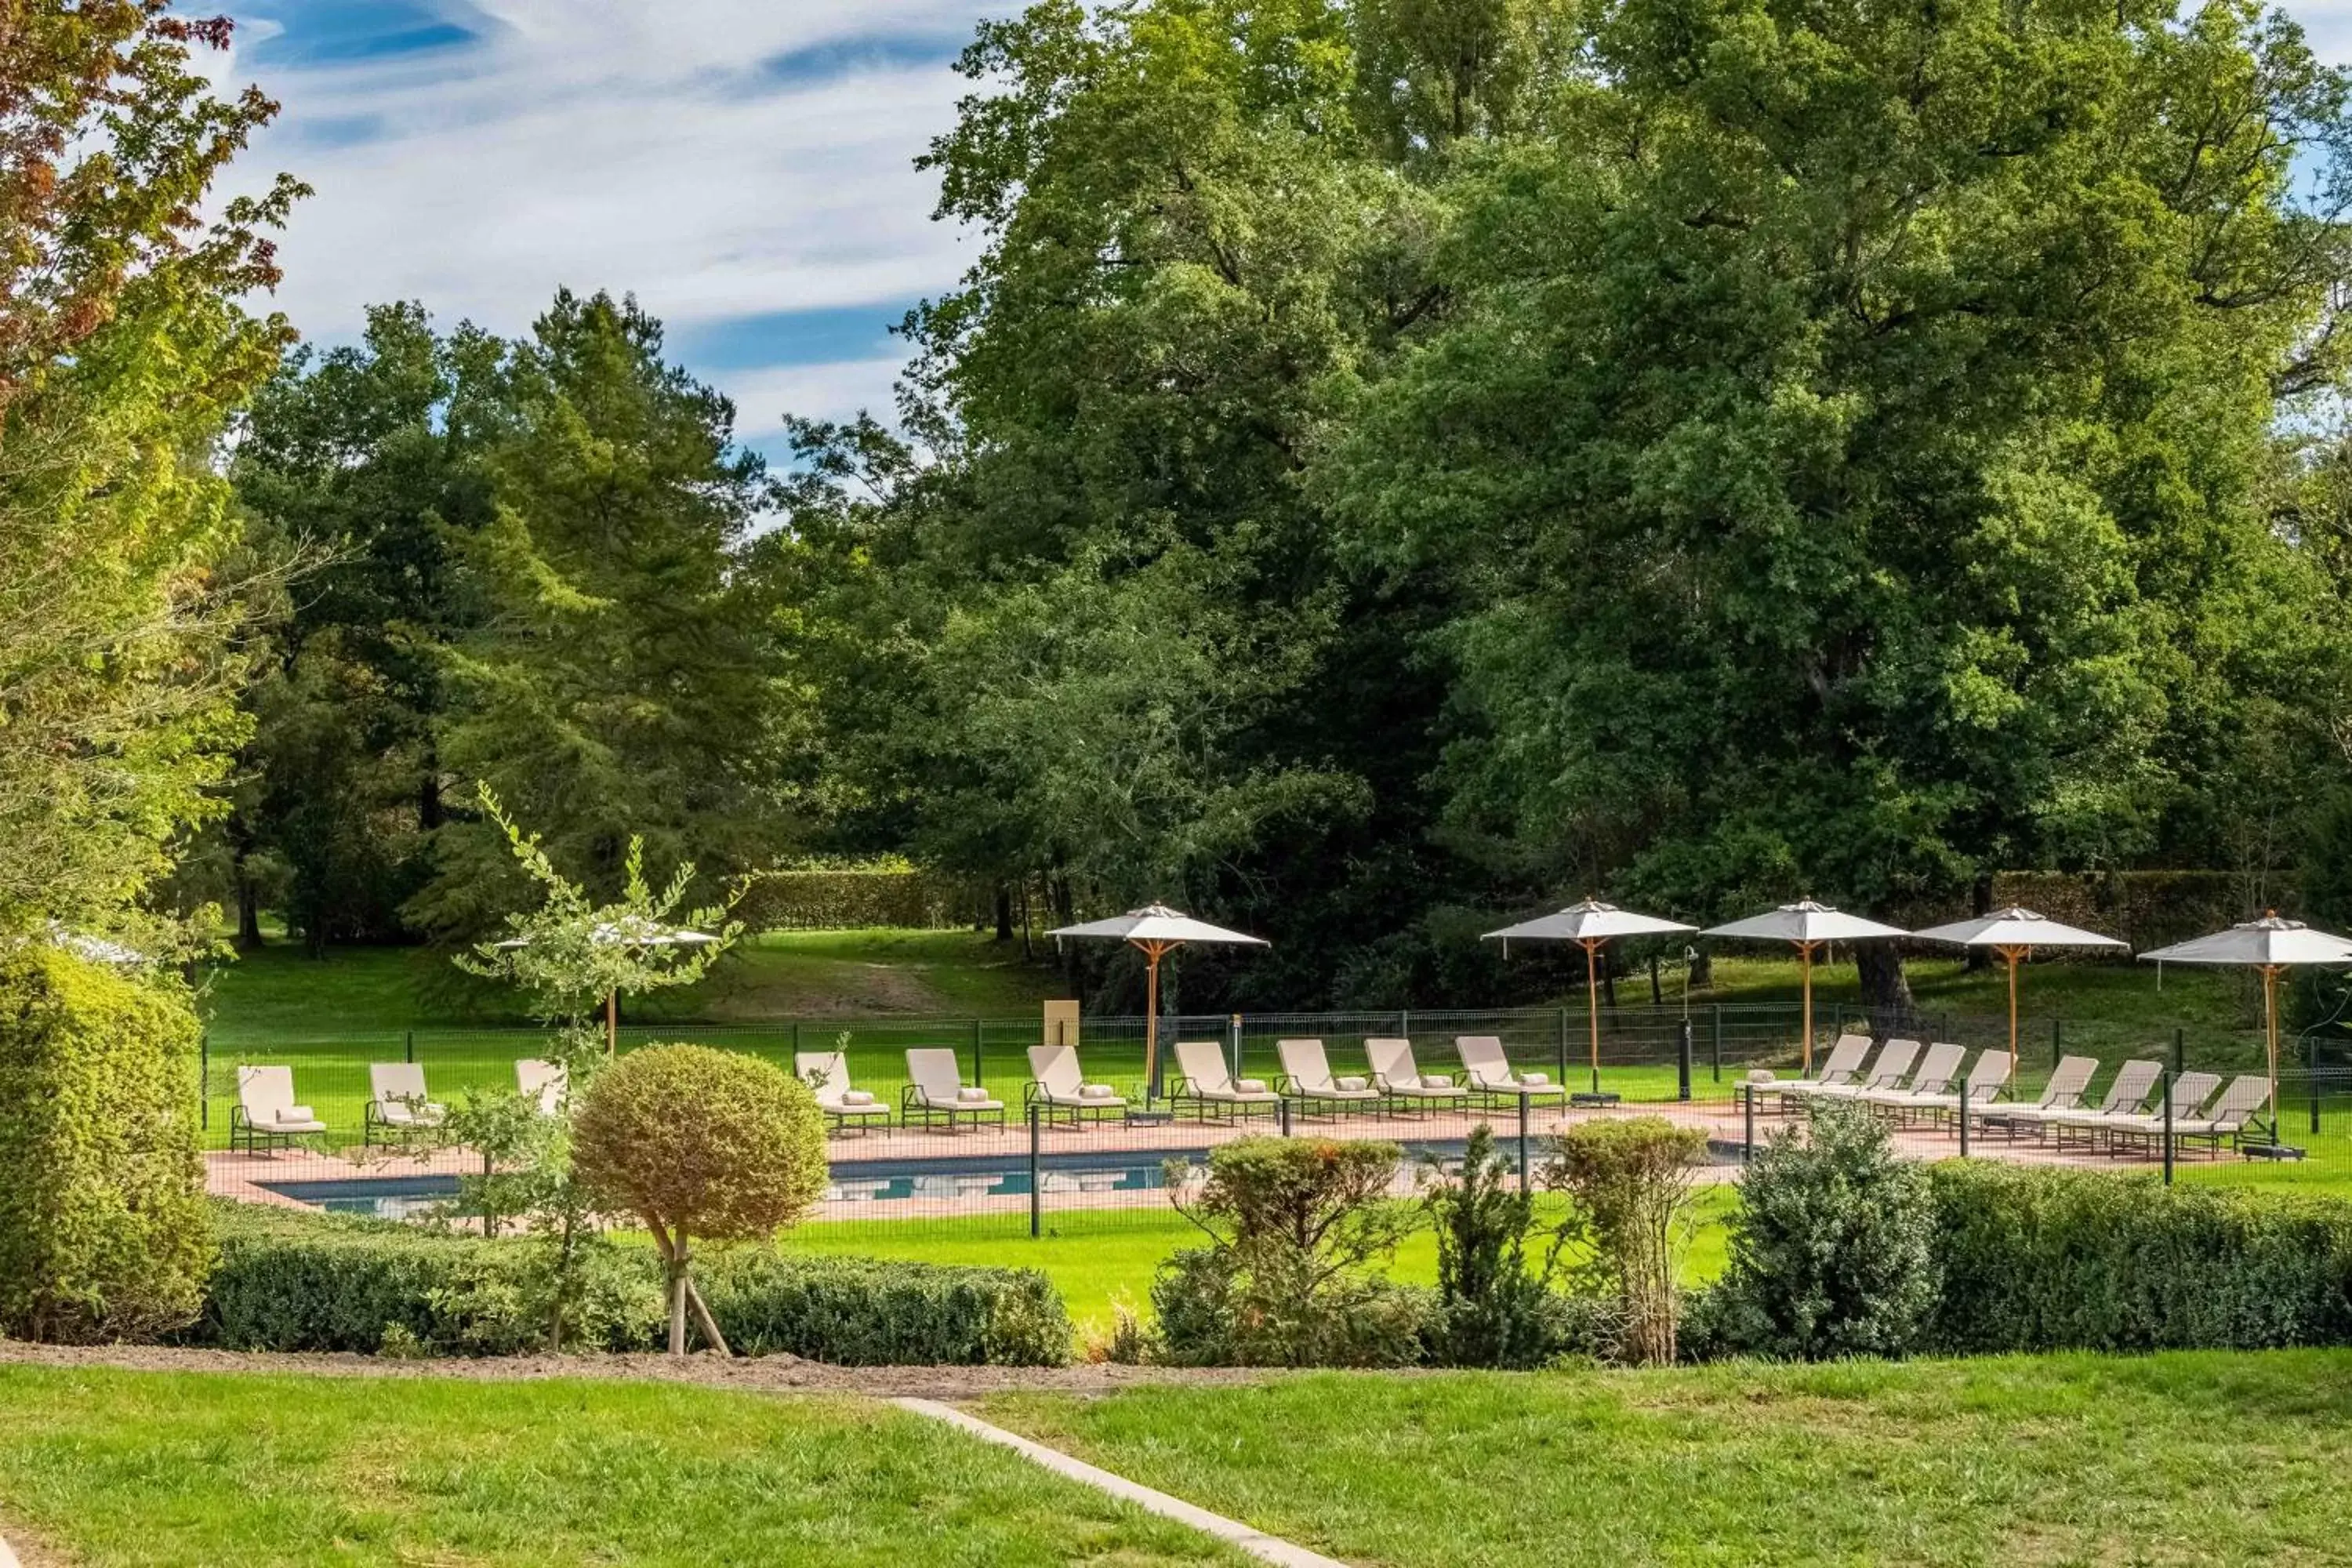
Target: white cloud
[634,147]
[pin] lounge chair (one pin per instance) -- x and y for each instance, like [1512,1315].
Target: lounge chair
[1985,1081]
[2128,1095]
[845,1106]
[936,1093]
[1932,1076]
[546,1082]
[1307,1079]
[1058,1087]
[397,1104]
[1491,1076]
[2190,1095]
[2062,1093]
[1396,1075]
[265,1115]
[1204,1082]
[1888,1071]
[2229,1117]
[1839,1067]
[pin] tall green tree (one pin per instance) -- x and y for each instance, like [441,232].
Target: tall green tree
[623,677]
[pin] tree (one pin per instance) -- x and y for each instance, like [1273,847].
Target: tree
[123,349]
[1848,435]
[701,1144]
[1631,1181]
[622,677]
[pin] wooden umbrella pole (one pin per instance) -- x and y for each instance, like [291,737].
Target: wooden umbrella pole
[1592,946]
[1805,966]
[1153,952]
[2012,954]
[2270,1016]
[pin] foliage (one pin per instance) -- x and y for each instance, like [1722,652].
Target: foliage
[292,1281]
[123,349]
[1631,1182]
[1494,1308]
[2035,1259]
[701,1144]
[103,1234]
[1832,1246]
[891,892]
[1295,1225]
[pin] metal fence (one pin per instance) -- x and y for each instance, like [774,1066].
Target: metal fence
[1007,1173]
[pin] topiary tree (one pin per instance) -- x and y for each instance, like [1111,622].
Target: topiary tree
[103,1230]
[1631,1181]
[1832,1245]
[702,1145]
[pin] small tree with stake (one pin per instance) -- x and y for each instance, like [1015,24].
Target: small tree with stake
[702,1145]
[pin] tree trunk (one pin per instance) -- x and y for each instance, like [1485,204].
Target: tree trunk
[248,910]
[1885,991]
[677,1308]
[1657,997]
[1028,953]
[429,792]
[1004,913]
[1702,971]
[1980,903]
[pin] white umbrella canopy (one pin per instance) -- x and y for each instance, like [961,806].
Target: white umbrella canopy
[1589,924]
[2014,933]
[1155,931]
[1807,925]
[2269,945]
[629,931]
[96,949]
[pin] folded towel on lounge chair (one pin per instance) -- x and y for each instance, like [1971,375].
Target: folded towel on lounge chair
[857,1096]
[1436,1080]
[970,1096]
[1096,1092]
[1352,1084]
[1535,1080]
[1249,1086]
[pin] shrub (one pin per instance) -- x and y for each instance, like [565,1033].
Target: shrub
[699,1144]
[1492,1309]
[853,897]
[103,1231]
[1631,1181]
[2048,1259]
[291,1281]
[1293,1224]
[1831,1247]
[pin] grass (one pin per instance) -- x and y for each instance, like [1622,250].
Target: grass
[115,1469]
[1101,1259]
[2176,1458]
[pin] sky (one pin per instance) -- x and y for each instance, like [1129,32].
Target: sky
[745,167]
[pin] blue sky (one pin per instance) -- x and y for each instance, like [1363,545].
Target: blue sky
[743,166]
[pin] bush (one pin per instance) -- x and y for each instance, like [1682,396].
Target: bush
[1831,1247]
[1294,1226]
[1631,1181]
[855,898]
[103,1231]
[292,1281]
[701,1144]
[2041,1259]
[1492,1309]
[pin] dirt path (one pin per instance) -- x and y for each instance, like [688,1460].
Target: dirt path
[762,1374]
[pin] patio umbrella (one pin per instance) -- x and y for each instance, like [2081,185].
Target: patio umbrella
[1810,926]
[1155,931]
[96,949]
[1591,925]
[2269,944]
[2013,933]
[629,931]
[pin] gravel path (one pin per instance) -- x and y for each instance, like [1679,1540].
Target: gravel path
[762,1374]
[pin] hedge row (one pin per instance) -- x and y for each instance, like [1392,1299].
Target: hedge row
[291,1281]
[2036,1259]
[854,899]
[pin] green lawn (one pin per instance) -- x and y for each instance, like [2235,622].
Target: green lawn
[112,1469]
[2178,1458]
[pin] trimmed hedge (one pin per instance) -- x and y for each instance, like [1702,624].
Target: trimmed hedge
[2037,1259]
[856,898]
[291,1281]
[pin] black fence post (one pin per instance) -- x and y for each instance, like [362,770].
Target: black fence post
[1235,1050]
[1682,1060]
[205,1078]
[1964,1118]
[1282,1116]
[1748,1135]
[1036,1180]
[796,1042]
[976,1080]
[2057,1042]
[2311,1071]
[1563,1045]
[2179,1047]
[1525,1174]
[1715,1040]
[2168,1080]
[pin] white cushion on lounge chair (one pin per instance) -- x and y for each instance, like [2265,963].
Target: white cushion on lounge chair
[1436,1080]
[1352,1083]
[1251,1086]
[267,1095]
[1096,1092]
[1535,1080]
[933,1071]
[857,1097]
[1310,1073]
[1393,1067]
[397,1092]
[1207,1077]
[969,1095]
